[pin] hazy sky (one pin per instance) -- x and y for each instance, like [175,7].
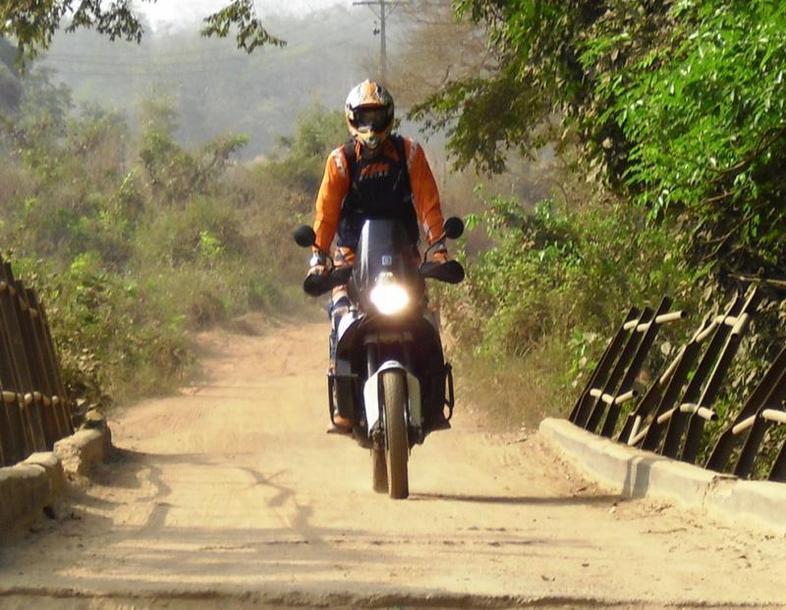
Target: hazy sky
[165,14]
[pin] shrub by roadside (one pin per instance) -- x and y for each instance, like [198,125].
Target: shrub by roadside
[136,241]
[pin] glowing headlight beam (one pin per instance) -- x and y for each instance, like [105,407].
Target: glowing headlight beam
[389,298]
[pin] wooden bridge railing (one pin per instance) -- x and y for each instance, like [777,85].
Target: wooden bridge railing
[35,411]
[670,416]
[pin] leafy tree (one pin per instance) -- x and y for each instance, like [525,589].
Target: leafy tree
[10,87]
[676,105]
[437,48]
[176,174]
[32,24]
[302,159]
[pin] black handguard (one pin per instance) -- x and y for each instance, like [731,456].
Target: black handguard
[450,272]
[318,284]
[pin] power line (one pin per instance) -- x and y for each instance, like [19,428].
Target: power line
[89,72]
[92,61]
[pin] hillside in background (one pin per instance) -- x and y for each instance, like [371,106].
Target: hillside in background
[216,88]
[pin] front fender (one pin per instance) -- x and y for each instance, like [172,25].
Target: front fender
[372,391]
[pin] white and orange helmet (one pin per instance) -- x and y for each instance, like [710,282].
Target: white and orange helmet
[369,112]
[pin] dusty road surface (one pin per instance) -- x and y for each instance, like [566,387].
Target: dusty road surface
[230,495]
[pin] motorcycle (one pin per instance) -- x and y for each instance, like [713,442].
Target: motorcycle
[390,377]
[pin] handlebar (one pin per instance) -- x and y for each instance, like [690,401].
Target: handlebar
[450,272]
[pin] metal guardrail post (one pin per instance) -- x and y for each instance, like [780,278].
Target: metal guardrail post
[620,366]
[778,471]
[581,411]
[57,428]
[61,406]
[696,423]
[34,406]
[679,420]
[771,390]
[42,391]
[11,432]
[31,412]
[642,351]
[752,444]
[661,395]
[651,437]
[21,428]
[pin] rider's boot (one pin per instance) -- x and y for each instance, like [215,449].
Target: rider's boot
[440,422]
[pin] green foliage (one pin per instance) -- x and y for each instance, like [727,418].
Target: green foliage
[136,241]
[250,31]
[110,345]
[318,132]
[677,106]
[33,24]
[537,279]
[710,137]
[543,297]
[175,174]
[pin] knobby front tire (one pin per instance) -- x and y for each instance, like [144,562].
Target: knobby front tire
[396,442]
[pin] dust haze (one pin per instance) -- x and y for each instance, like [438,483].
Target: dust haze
[216,88]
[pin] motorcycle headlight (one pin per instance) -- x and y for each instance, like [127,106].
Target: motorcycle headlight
[388,296]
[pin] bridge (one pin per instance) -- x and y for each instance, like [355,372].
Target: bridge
[230,495]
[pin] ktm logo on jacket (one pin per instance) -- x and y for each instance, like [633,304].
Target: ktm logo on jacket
[374,170]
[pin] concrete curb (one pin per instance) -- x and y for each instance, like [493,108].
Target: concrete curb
[39,482]
[634,473]
[82,450]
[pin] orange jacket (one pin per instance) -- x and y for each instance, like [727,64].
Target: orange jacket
[337,182]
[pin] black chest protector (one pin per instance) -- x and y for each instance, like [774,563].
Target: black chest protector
[379,188]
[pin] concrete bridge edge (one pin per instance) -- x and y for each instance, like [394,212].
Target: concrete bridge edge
[31,488]
[634,473]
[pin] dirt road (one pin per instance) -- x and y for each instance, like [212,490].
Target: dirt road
[230,495]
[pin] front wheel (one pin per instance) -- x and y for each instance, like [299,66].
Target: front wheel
[396,442]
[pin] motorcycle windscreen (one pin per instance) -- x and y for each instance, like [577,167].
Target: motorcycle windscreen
[383,246]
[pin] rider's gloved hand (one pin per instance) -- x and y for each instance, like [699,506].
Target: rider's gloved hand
[317,264]
[440,254]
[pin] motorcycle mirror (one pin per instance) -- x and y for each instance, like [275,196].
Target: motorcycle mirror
[304,236]
[454,227]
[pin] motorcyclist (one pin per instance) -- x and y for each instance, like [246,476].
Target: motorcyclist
[375,173]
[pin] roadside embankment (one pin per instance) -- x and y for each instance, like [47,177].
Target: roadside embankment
[635,473]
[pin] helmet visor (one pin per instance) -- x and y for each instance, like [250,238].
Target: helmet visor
[371,119]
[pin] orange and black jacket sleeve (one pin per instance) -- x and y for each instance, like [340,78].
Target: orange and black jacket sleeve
[425,194]
[334,188]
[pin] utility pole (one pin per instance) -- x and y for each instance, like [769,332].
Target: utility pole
[382,9]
